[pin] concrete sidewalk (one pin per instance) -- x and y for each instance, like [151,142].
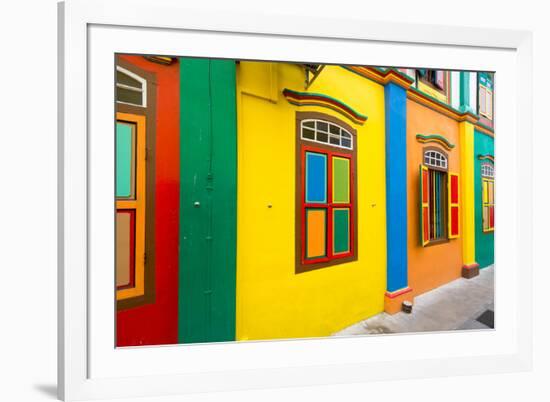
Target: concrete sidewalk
[454,306]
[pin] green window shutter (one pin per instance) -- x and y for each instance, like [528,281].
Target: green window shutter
[424,206]
[208,188]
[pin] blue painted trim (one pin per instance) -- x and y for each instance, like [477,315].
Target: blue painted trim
[396,186]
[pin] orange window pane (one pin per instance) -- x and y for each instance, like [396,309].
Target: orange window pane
[316,233]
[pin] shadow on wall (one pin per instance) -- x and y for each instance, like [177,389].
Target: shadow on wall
[49,390]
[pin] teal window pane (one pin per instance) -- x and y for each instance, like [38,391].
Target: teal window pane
[341,230]
[125,166]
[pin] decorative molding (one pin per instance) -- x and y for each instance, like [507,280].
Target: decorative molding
[440,107]
[438,139]
[382,76]
[161,59]
[316,99]
[484,129]
[486,157]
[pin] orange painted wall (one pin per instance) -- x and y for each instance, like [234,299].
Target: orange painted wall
[431,266]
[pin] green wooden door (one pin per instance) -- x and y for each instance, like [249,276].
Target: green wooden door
[208,192]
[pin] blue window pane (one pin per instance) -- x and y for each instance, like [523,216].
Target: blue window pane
[316,178]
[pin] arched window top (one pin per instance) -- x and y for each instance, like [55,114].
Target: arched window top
[325,132]
[487,170]
[435,159]
[130,88]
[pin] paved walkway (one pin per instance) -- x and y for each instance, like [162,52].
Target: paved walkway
[455,306]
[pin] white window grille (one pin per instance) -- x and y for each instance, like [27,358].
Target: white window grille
[487,170]
[435,159]
[325,132]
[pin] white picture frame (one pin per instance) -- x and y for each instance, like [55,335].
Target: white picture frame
[89,366]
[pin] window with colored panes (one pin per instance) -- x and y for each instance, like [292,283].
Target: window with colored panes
[326,194]
[439,204]
[488,197]
[435,78]
[485,99]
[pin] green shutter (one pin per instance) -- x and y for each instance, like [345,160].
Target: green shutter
[208,188]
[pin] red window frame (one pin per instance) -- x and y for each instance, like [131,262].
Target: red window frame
[329,206]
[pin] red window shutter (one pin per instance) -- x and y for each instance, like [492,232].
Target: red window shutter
[440,79]
[454,206]
[424,206]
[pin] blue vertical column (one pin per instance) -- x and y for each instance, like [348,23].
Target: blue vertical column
[396,190]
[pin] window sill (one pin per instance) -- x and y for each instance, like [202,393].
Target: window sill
[301,268]
[437,242]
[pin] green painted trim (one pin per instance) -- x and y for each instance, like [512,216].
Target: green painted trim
[337,102]
[435,138]
[491,129]
[465,91]
[208,175]
[403,75]
[446,105]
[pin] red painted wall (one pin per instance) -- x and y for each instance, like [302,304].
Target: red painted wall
[157,323]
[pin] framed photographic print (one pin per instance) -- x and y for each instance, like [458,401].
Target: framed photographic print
[250,202]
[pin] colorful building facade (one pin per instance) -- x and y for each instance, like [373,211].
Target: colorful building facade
[266,200]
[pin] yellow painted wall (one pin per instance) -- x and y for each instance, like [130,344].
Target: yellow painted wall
[272,300]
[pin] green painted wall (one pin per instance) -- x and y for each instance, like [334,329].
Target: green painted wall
[208,193]
[485,242]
